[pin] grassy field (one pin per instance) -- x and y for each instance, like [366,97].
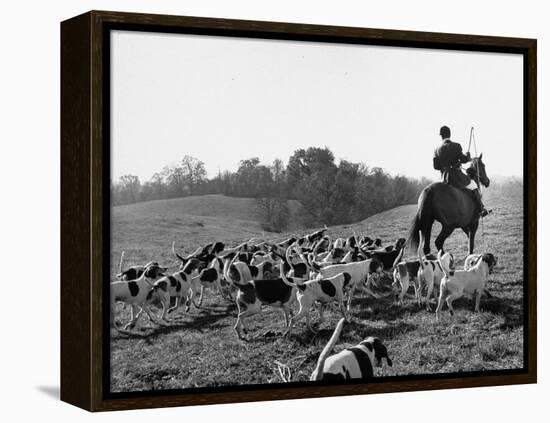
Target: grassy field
[200,347]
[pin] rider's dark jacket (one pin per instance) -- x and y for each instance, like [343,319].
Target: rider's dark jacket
[447,158]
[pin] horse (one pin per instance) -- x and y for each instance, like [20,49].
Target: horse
[452,207]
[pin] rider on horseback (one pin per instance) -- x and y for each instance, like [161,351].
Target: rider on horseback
[447,158]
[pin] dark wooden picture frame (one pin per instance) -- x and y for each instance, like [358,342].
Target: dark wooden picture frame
[85,188]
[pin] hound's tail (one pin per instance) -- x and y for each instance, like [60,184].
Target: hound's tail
[120,265]
[446,271]
[310,263]
[398,258]
[176,254]
[288,251]
[420,251]
[291,281]
[318,372]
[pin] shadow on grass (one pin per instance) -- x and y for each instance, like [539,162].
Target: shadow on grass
[204,321]
[353,332]
[510,309]
[383,309]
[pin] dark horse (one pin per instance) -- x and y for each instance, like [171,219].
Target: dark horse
[450,206]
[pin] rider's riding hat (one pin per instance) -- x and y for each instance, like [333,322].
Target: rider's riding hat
[445,132]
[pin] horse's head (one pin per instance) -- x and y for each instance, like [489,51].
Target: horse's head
[477,172]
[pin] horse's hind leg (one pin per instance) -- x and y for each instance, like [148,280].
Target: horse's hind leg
[472,237]
[427,234]
[446,231]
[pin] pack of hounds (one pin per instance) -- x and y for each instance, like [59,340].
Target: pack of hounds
[310,271]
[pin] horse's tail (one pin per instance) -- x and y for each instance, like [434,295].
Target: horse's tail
[420,220]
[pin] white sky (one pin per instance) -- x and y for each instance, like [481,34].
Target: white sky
[226,99]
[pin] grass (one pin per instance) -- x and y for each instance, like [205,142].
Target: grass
[200,347]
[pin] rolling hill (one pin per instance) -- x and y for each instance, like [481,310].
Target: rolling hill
[146,229]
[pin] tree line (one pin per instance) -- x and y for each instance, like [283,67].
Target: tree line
[328,192]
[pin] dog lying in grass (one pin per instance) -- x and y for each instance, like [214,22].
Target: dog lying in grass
[357,362]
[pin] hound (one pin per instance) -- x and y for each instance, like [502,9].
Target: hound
[134,272]
[184,260]
[316,236]
[404,273]
[425,270]
[471,261]
[253,294]
[177,285]
[356,362]
[333,256]
[261,257]
[457,283]
[351,242]
[322,290]
[322,245]
[361,272]
[208,278]
[353,255]
[134,292]
[372,244]
[281,247]
[388,258]
[242,272]
[291,267]
[339,243]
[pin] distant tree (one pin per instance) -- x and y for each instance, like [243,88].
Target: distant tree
[194,173]
[271,201]
[129,189]
[311,176]
[157,186]
[274,213]
[344,187]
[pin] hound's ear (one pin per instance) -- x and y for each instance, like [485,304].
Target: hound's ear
[347,278]
[368,344]
[480,156]
[374,265]
[390,363]
[489,259]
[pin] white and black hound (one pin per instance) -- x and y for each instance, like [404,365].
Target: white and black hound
[361,273]
[457,283]
[135,293]
[211,277]
[357,362]
[134,272]
[253,294]
[323,290]
[424,271]
[177,285]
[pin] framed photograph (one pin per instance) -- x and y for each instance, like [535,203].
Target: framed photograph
[255,211]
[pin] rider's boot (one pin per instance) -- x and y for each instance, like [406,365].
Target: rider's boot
[477,195]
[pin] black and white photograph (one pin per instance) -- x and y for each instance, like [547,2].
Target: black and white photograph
[300,211]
